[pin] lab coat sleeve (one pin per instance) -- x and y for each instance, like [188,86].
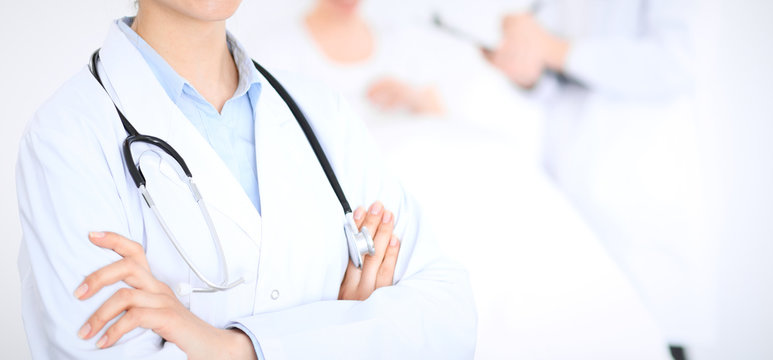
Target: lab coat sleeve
[653,65]
[428,314]
[66,189]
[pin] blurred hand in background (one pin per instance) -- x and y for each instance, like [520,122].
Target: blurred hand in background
[527,50]
[390,94]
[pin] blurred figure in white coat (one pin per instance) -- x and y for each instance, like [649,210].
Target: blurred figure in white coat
[614,80]
[366,60]
[472,174]
[386,66]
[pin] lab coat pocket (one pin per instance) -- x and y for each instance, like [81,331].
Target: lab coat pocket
[173,201]
[241,256]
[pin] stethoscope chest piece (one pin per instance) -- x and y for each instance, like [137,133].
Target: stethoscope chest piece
[359,242]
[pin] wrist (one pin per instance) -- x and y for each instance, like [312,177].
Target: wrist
[427,101]
[556,50]
[236,345]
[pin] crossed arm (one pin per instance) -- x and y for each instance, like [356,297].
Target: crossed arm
[55,258]
[151,304]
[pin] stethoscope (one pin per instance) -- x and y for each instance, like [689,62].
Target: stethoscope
[359,242]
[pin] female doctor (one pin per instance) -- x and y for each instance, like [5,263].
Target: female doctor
[264,272]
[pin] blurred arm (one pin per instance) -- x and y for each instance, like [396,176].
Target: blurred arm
[652,65]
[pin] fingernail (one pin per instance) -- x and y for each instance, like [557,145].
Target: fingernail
[387,217]
[85,329]
[102,341]
[97,234]
[358,214]
[375,209]
[393,242]
[81,290]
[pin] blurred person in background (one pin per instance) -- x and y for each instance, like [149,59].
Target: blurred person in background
[438,110]
[346,42]
[363,59]
[389,69]
[614,81]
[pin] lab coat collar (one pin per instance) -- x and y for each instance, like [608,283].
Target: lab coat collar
[143,100]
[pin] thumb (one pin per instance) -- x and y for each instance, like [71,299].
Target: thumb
[488,54]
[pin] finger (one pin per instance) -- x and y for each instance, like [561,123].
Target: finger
[350,282]
[373,217]
[117,243]
[350,276]
[386,271]
[497,59]
[371,263]
[359,216]
[123,299]
[379,98]
[387,96]
[148,318]
[393,96]
[488,54]
[126,270]
[378,89]
[391,100]
[375,89]
[508,21]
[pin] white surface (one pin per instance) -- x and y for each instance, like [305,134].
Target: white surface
[544,285]
[734,91]
[623,150]
[51,40]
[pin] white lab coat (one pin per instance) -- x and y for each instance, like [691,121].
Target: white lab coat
[623,148]
[71,180]
[630,49]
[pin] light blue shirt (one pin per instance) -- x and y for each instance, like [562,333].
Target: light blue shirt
[231,132]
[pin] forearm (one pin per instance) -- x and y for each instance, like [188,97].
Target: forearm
[426,100]
[555,50]
[429,316]
[629,67]
[429,313]
[238,345]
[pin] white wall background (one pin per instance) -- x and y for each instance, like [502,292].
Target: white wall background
[46,41]
[735,86]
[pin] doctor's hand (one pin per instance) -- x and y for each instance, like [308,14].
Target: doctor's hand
[151,304]
[377,270]
[391,94]
[526,50]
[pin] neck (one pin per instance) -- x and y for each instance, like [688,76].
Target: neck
[196,50]
[341,33]
[334,16]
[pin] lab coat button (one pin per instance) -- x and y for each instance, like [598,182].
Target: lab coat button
[275,294]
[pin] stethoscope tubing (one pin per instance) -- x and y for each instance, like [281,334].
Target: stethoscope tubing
[359,243]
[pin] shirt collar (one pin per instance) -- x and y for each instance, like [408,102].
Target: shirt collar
[249,80]
[174,84]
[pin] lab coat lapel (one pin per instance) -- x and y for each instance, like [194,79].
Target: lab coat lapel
[302,224]
[271,122]
[147,106]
